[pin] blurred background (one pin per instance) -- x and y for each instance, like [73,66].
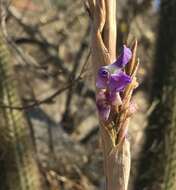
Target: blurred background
[49,135]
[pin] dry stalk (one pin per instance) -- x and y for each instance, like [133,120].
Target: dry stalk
[115,145]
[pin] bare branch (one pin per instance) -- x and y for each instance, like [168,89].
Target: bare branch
[52,96]
[39,102]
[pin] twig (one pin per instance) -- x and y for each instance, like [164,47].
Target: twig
[72,76]
[44,101]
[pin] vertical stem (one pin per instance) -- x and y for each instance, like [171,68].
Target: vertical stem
[110,28]
[103,49]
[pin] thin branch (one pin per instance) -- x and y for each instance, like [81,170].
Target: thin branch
[44,101]
[73,73]
[52,96]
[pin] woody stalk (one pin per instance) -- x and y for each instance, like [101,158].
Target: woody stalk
[115,78]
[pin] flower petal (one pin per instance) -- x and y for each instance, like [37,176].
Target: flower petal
[103,78]
[104,111]
[124,57]
[118,82]
[114,98]
[103,106]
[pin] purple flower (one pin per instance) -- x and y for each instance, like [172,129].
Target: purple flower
[105,72]
[110,81]
[118,82]
[124,57]
[103,78]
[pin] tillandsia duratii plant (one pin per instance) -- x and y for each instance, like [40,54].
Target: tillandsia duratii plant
[115,80]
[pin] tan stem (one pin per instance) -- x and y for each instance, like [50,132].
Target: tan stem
[117,160]
[110,28]
[103,49]
[100,54]
[118,167]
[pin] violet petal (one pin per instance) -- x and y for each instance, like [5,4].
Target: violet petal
[118,82]
[114,98]
[124,57]
[104,111]
[103,106]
